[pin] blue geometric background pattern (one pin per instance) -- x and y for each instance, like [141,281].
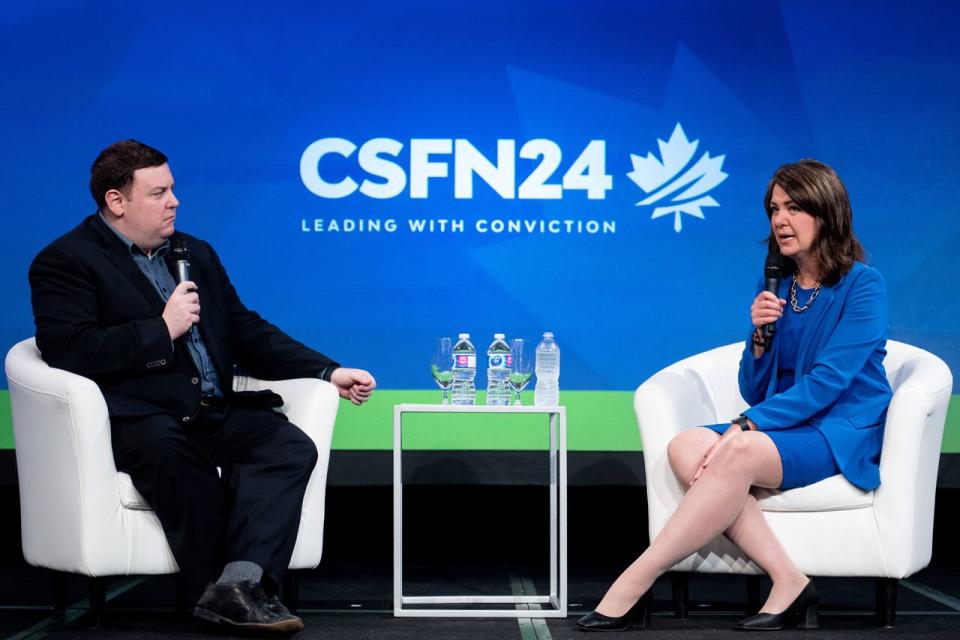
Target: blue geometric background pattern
[508,143]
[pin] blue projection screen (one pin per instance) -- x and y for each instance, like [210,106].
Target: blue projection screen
[375,174]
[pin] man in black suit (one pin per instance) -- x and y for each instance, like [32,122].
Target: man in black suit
[107,306]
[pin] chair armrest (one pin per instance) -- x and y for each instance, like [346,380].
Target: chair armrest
[309,403]
[675,399]
[904,501]
[312,405]
[65,463]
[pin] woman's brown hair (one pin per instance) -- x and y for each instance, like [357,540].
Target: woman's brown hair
[817,189]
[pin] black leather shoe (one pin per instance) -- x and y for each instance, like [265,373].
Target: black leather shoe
[243,607]
[806,606]
[637,616]
[276,605]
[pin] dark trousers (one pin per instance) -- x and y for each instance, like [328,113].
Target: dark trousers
[251,512]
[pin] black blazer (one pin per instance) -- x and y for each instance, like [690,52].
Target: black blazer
[97,315]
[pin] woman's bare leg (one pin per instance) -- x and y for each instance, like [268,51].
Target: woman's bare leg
[751,532]
[708,509]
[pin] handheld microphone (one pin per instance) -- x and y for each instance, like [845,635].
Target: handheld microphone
[181,260]
[771,283]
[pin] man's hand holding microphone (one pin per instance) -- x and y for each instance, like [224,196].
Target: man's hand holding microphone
[182,310]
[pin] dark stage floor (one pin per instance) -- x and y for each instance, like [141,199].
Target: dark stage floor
[350,594]
[357,605]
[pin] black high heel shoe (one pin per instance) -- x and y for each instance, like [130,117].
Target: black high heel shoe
[637,616]
[806,605]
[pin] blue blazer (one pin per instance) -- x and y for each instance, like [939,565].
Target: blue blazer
[841,387]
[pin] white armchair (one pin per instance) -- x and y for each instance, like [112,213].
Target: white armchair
[80,515]
[830,528]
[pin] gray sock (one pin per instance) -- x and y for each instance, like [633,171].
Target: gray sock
[238,571]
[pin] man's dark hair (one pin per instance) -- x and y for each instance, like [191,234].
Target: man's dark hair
[114,167]
[817,189]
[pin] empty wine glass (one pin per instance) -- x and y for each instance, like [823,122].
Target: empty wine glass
[520,366]
[442,365]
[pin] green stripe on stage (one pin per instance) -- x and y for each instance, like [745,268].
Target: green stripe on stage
[596,421]
[6,421]
[951,432]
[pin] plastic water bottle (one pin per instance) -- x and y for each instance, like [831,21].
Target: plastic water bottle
[498,371]
[463,390]
[547,391]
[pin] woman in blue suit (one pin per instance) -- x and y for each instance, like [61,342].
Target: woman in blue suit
[818,396]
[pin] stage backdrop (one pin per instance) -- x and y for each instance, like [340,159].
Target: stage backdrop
[377,174]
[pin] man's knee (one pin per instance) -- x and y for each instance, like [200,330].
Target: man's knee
[311,453]
[301,448]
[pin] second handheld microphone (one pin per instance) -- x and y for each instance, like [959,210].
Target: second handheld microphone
[771,282]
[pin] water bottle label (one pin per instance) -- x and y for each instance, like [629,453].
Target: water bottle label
[464,361]
[500,361]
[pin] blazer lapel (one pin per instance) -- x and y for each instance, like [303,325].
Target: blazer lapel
[819,310]
[117,253]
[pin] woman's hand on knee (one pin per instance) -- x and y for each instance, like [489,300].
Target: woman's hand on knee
[686,450]
[732,432]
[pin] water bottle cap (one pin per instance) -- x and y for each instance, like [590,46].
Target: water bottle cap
[464,336]
[498,336]
[548,334]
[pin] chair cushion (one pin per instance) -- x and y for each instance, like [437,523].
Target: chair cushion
[130,498]
[831,494]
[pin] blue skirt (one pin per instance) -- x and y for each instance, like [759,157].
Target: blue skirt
[804,454]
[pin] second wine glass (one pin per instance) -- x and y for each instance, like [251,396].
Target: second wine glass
[520,366]
[442,366]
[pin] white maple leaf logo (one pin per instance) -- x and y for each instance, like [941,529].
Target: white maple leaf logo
[662,178]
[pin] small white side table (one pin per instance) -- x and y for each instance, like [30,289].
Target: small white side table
[558,525]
